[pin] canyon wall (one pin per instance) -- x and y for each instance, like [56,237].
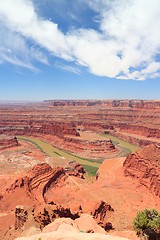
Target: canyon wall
[145,166]
[30,128]
[136,121]
[8,141]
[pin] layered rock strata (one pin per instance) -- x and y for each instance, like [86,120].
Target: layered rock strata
[38,180]
[145,166]
[8,141]
[33,127]
[95,149]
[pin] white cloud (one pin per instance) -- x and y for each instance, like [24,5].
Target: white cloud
[124,46]
[67,68]
[15,50]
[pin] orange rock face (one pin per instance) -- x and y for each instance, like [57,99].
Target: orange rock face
[38,180]
[68,196]
[145,166]
[37,190]
[75,169]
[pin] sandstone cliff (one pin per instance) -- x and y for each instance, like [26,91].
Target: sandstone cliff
[22,127]
[42,177]
[145,166]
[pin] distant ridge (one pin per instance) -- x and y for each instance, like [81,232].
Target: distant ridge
[148,104]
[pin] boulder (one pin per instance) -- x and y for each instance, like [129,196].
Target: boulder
[86,223]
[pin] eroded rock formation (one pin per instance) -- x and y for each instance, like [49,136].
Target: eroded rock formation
[100,213]
[45,214]
[41,184]
[21,216]
[39,179]
[8,141]
[145,166]
[42,177]
[19,127]
[94,148]
[75,169]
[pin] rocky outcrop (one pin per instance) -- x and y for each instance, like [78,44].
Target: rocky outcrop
[66,229]
[42,178]
[45,214]
[145,166]
[8,141]
[21,216]
[75,169]
[85,223]
[38,180]
[22,182]
[101,212]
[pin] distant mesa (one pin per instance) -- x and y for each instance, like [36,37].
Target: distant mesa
[148,104]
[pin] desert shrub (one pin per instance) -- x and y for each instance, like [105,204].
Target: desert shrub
[147,224]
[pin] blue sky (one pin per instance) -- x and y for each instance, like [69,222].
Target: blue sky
[65,49]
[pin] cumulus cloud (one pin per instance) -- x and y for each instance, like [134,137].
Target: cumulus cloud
[20,16]
[126,45]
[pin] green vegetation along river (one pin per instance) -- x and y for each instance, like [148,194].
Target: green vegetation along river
[91,165]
